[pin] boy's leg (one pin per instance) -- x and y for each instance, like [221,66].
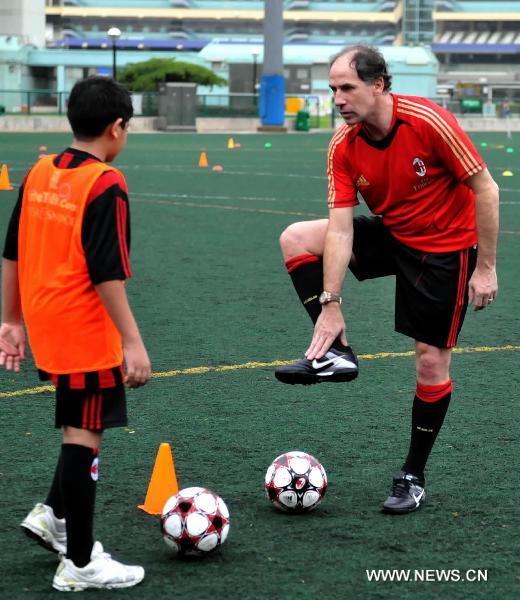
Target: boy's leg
[46,523]
[79,474]
[86,566]
[72,498]
[83,416]
[54,496]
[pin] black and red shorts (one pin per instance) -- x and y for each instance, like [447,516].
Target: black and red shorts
[93,401]
[431,296]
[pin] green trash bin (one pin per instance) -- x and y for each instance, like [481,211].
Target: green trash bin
[2,110]
[302,120]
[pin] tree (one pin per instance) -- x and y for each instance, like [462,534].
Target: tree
[144,76]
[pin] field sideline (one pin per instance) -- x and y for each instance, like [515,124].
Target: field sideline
[217,313]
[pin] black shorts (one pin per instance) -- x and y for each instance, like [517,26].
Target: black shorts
[92,410]
[431,294]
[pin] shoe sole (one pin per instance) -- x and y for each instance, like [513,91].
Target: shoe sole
[65,587]
[393,511]
[37,537]
[309,379]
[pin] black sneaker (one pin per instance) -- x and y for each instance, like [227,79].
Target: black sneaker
[334,366]
[407,494]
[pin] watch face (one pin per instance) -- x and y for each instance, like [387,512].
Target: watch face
[323,297]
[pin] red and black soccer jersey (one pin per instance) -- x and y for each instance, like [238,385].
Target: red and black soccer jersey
[106,224]
[414,177]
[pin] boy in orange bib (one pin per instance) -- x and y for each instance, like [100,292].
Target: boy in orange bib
[65,262]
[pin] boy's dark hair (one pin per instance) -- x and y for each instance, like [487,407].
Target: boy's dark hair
[96,102]
[369,63]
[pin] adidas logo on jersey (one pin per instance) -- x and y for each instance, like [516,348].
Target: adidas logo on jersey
[362,181]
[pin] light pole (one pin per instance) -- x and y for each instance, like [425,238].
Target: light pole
[255,54]
[114,33]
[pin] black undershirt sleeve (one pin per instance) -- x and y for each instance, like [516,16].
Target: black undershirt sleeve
[105,236]
[11,238]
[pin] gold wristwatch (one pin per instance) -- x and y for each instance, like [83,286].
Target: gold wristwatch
[326,297]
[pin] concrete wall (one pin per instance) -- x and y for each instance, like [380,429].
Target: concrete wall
[31,123]
[489,124]
[24,18]
[229,125]
[215,125]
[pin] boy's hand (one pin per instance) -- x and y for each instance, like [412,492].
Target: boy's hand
[137,363]
[12,346]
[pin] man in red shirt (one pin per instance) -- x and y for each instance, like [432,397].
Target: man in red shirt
[433,201]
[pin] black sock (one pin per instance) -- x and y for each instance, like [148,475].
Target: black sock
[78,484]
[54,497]
[429,409]
[306,273]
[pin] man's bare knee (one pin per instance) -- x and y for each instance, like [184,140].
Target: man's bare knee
[291,241]
[305,237]
[432,364]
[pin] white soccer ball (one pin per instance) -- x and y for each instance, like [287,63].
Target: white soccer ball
[295,482]
[194,522]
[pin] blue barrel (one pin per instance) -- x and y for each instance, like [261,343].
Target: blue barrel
[272,100]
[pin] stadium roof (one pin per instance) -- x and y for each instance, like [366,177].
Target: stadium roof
[368,13]
[477,48]
[129,44]
[310,53]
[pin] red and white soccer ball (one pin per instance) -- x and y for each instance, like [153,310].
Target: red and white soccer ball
[295,482]
[195,522]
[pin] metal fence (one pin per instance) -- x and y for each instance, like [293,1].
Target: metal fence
[32,102]
[48,102]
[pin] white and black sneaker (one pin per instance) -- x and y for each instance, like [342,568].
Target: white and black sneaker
[45,528]
[407,494]
[102,573]
[335,366]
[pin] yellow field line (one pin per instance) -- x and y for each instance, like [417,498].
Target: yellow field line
[259,365]
[28,391]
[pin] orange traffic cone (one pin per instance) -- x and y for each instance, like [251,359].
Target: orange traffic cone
[230,143]
[163,482]
[203,160]
[5,184]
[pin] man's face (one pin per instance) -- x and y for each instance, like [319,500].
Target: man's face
[354,98]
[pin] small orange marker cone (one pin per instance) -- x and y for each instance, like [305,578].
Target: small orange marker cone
[230,143]
[203,160]
[5,184]
[163,483]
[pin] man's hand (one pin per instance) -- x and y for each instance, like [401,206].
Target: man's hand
[12,346]
[137,363]
[483,287]
[329,325]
